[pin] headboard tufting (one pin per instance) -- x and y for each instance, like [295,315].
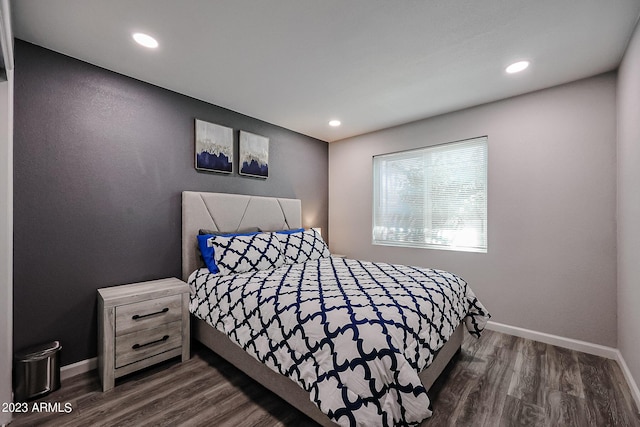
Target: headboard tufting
[231,212]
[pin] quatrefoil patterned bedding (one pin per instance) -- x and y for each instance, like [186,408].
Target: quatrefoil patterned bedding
[353,334]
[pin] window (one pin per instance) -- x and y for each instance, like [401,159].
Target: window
[433,197]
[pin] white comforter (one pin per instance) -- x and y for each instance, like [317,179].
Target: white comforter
[353,334]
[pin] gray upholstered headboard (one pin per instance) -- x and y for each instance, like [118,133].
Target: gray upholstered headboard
[231,212]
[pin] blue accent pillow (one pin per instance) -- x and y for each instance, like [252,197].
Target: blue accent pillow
[295,230]
[207,252]
[242,253]
[302,246]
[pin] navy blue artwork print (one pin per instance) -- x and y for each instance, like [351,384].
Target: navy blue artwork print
[254,155]
[214,147]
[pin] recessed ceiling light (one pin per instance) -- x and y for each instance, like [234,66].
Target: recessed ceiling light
[335,123]
[516,67]
[145,40]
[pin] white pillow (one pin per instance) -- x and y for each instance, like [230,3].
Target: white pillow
[239,254]
[302,246]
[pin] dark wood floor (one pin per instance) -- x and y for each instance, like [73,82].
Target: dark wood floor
[499,380]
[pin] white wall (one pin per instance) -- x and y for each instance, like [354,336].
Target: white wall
[6,212]
[6,242]
[551,264]
[629,206]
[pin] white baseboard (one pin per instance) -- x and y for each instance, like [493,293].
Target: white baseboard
[80,367]
[571,344]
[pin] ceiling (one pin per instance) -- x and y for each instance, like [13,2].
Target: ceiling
[370,63]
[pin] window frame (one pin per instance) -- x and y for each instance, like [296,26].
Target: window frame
[428,213]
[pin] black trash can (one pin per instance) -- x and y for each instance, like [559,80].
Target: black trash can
[36,371]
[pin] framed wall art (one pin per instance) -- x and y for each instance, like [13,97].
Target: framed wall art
[214,147]
[254,155]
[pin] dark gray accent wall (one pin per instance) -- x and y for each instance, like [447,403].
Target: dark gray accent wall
[100,163]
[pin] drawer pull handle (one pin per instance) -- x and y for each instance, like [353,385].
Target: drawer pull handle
[140,316]
[137,346]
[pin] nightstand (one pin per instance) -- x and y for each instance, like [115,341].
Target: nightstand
[139,325]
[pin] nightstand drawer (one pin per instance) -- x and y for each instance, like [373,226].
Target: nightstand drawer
[147,314]
[143,344]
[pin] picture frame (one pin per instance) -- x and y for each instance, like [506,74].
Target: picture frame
[213,147]
[254,155]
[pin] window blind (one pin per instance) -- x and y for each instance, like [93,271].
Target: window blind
[432,197]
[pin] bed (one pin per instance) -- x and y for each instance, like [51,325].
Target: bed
[346,374]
